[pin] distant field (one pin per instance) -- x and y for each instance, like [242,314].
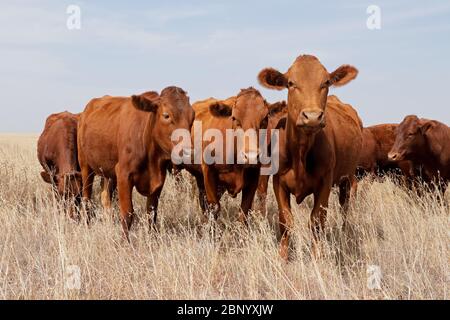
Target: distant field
[398,246]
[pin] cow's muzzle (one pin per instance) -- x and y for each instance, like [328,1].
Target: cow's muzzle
[311,119]
[395,156]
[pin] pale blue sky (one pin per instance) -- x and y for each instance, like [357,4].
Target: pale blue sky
[214,48]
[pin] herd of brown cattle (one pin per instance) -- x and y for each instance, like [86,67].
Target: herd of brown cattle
[322,143]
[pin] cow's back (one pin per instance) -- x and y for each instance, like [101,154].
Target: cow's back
[201,109]
[208,121]
[344,131]
[108,126]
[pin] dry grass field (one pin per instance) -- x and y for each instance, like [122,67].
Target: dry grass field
[395,232]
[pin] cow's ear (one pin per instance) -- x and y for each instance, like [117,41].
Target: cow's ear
[46,177]
[272,79]
[342,75]
[219,109]
[425,126]
[143,103]
[277,107]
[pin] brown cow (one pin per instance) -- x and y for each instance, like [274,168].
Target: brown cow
[377,142]
[425,142]
[277,111]
[320,144]
[57,153]
[248,111]
[128,139]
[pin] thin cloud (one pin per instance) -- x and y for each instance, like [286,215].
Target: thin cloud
[121,34]
[165,16]
[173,15]
[421,12]
[33,26]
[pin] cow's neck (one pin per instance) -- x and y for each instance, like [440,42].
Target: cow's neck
[299,144]
[435,156]
[154,151]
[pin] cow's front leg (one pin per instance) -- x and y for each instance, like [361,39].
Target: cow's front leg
[157,179]
[152,208]
[261,195]
[125,191]
[108,188]
[248,193]
[87,176]
[211,188]
[201,192]
[319,213]
[286,220]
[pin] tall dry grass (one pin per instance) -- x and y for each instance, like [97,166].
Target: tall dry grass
[407,237]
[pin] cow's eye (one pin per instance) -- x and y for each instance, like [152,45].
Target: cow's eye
[291,84]
[166,116]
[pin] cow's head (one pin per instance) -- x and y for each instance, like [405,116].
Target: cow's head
[410,138]
[307,82]
[249,113]
[65,184]
[171,110]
